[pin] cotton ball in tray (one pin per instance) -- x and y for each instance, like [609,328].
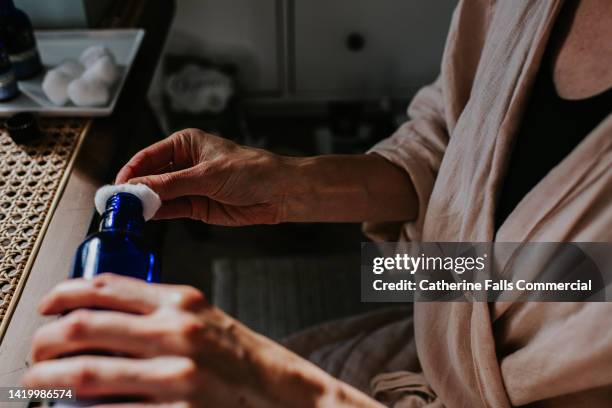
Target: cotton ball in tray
[94,53]
[56,81]
[104,69]
[55,86]
[72,68]
[92,92]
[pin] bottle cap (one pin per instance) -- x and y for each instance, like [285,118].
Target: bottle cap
[22,127]
[123,211]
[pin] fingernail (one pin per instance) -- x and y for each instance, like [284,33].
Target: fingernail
[136,180]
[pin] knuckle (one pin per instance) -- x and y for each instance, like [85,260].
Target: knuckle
[166,181]
[190,328]
[183,337]
[103,280]
[192,131]
[104,284]
[85,374]
[185,136]
[180,134]
[76,324]
[190,298]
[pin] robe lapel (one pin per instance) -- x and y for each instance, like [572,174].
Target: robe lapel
[484,354]
[463,200]
[477,159]
[506,136]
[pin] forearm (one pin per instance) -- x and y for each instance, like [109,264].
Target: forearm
[301,384]
[282,378]
[346,188]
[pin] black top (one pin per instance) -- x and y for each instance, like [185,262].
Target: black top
[550,129]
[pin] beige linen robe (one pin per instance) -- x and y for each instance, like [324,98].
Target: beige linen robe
[456,149]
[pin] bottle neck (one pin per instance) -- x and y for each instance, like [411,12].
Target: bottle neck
[123,213]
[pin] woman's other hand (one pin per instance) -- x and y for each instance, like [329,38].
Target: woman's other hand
[174,348]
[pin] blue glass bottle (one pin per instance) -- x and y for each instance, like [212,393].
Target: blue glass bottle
[17,33]
[8,82]
[118,246]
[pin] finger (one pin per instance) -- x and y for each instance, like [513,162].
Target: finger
[86,330]
[162,378]
[148,160]
[175,184]
[184,207]
[152,159]
[105,291]
[164,333]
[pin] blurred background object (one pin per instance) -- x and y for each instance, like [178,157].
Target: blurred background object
[8,81]
[65,13]
[310,76]
[17,34]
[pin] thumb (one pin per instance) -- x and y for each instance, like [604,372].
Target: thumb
[174,184]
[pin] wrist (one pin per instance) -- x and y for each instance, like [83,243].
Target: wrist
[344,188]
[298,189]
[305,385]
[279,377]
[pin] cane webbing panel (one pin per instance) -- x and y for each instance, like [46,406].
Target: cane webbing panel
[32,178]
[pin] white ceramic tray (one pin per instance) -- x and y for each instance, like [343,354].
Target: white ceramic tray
[55,46]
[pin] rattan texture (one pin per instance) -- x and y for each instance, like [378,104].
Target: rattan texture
[30,182]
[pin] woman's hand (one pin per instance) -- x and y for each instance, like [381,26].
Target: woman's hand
[210,178]
[175,348]
[205,177]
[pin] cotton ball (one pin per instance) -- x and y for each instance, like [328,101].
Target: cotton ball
[91,92]
[94,53]
[104,69]
[55,86]
[149,198]
[72,68]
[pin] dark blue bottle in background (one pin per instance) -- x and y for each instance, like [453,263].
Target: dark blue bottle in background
[119,245]
[8,82]
[18,36]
